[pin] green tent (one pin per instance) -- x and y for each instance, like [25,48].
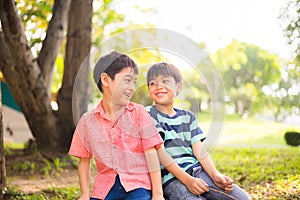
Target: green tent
[8,99]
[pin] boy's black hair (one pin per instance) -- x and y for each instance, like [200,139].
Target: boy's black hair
[111,64]
[165,69]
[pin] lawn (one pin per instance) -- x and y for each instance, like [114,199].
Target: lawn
[253,152]
[250,132]
[265,173]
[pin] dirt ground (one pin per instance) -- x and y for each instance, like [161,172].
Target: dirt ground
[36,183]
[30,173]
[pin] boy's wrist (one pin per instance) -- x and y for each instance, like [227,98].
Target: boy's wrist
[84,196]
[216,176]
[187,179]
[157,193]
[157,190]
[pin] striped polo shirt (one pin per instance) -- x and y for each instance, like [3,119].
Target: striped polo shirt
[179,133]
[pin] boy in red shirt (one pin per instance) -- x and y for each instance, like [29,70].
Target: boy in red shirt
[121,137]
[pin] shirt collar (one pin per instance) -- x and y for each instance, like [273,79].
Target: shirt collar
[99,109]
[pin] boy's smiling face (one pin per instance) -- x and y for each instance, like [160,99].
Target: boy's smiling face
[163,89]
[122,87]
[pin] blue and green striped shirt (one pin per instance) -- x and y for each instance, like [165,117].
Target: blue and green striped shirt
[179,133]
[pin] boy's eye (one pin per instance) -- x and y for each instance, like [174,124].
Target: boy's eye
[130,81]
[151,83]
[166,81]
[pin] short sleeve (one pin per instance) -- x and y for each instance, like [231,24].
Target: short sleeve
[149,134]
[196,133]
[77,148]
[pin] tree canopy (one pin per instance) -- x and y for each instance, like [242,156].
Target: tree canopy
[245,69]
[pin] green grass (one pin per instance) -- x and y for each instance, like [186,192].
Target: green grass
[247,132]
[265,173]
[251,151]
[69,193]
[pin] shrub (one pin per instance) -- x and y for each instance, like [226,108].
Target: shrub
[292,138]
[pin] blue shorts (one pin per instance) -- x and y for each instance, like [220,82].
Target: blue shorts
[175,190]
[118,192]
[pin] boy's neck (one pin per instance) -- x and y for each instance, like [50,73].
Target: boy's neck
[110,110]
[166,109]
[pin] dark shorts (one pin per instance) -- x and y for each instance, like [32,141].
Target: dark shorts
[118,192]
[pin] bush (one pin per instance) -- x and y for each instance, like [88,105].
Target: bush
[292,138]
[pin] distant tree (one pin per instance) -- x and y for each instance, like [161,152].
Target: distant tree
[195,91]
[290,22]
[283,97]
[245,69]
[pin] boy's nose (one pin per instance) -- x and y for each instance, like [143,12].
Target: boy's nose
[132,86]
[159,85]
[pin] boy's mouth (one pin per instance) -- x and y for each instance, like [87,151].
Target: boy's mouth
[160,94]
[128,95]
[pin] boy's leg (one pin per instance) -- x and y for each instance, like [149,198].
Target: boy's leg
[177,191]
[118,192]
[216,192]
[139,194]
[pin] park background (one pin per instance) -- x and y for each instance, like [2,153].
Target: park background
[254,46]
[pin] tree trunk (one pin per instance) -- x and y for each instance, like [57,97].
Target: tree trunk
[25,76]
[2,158]
[29,78]
[76,68]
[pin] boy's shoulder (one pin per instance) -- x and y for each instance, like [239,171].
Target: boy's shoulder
[183,111]
[148,108]
[132,105]
[136,107]
[87,115]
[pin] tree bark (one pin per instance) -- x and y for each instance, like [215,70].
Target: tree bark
[29,78]
[52,43]
[26,80]
[2,158]
[76,67]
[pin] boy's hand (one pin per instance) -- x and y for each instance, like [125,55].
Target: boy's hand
[224,182]
[197,186]
[84,197]
[157,197]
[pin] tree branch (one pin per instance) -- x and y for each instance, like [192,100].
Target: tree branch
[54,37]
[6,59]
[16,40]
[8,16]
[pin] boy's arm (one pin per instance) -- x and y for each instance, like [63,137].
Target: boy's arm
[84,178]
[207,163]
[155,174]
[195,185]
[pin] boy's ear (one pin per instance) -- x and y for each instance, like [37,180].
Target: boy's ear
[105,79]
[179,87]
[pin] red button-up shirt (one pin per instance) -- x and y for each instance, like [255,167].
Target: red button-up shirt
[117,146]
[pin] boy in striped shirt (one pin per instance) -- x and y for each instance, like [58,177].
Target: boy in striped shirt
[199,178]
